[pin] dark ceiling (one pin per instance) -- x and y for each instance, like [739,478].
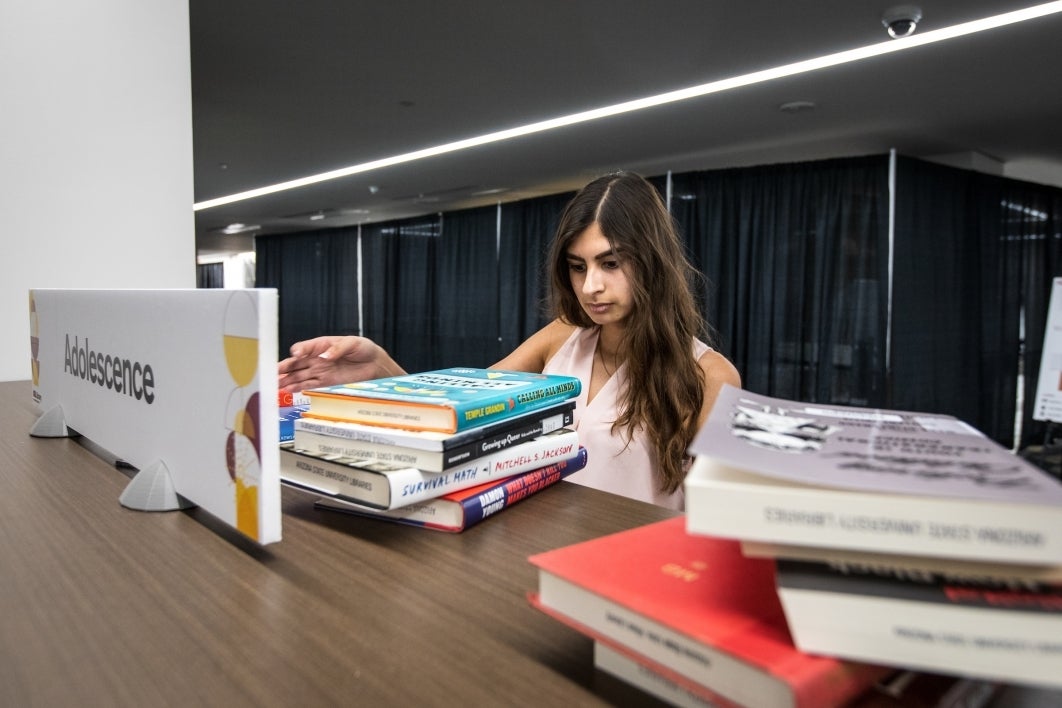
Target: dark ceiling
[283,90]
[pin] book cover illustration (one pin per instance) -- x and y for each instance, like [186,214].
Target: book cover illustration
[867,449]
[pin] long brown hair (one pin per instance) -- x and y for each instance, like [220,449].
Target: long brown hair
[665,385]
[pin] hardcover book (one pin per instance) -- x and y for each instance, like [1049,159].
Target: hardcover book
[383,486]
[900,689]
[999,630]
[429,451]
[698,607]
[288,416]
[446,400]
[457,511]
[954,567]
[780,471]
[650,678]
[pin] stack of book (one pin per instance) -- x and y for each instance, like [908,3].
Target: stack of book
[828,556]
[441,449]
[900,538]
[290,406]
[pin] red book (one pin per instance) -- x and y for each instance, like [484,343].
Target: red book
[697,608]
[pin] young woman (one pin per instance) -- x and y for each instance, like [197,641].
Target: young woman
[626,324]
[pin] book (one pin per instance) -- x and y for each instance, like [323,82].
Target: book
[697,606]
[648,678]
[288,416]
[1009,631]
[429,451]
[778,471]
[900,689]
[287,399]
[973,570]
[383,486]
[457,511]
[445,400]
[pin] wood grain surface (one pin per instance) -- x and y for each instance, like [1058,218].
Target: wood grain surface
[103,605]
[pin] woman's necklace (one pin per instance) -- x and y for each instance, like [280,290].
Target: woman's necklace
[601,357]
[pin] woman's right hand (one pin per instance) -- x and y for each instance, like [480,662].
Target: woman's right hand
[329,360]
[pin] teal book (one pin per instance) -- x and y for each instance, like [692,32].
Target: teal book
[445,400]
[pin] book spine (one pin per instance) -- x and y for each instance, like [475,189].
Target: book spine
[515,489]
[505,407]
[504,439]
[869,521]
[416,485]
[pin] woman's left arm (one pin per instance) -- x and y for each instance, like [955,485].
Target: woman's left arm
[717,371]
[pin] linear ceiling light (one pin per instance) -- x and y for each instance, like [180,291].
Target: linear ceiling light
[800,67]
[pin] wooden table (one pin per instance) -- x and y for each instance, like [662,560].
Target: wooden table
[103,605]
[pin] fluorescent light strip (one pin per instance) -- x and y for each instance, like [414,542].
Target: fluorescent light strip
[800,67]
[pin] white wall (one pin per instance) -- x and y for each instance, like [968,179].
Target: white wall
[96,183]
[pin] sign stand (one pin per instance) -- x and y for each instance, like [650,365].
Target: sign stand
[52,424]
[151,489]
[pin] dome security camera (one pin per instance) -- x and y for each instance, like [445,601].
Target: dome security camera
[902,20]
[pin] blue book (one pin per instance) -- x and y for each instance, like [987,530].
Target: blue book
[446,400]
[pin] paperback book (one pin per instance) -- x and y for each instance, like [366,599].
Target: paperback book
[999,630]
[779,471]
[383,486]
[698,607]
[457,511]
[446,400]
[429,451]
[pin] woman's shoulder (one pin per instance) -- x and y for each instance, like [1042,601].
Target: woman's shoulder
[718,369]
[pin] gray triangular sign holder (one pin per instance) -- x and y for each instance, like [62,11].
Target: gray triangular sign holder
[52,424]
[151,489]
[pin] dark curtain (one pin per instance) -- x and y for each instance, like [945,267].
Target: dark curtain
[210,275]
[795,265]
[466,289]
[796,260]
[398,271]
[316,277]
[527,228]
[974,254]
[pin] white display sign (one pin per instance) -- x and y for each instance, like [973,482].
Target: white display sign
[181,384]
[1049,385]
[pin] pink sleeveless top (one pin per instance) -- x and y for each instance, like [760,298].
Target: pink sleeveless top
[612,465]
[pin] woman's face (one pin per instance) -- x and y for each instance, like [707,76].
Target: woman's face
[599,278]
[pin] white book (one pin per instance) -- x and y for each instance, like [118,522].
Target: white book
[1008,631]
[779,471]
[384,486]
